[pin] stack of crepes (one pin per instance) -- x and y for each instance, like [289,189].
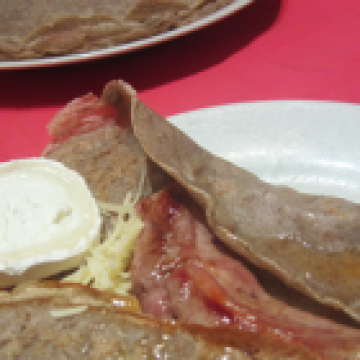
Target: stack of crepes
[39,28]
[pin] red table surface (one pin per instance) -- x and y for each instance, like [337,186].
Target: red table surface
[294,49]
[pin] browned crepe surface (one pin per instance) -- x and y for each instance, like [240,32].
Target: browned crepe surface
[37,28]
[110,158]
[109,326]
[311,242]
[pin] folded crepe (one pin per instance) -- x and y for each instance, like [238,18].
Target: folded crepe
[310,242]
[37,28]
[93,136]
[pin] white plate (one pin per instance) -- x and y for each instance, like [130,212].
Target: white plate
[131,46]
[311,146]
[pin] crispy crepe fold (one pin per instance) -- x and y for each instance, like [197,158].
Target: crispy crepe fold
[311,242]
[92,135]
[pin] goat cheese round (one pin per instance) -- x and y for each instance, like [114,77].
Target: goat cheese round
[48,219]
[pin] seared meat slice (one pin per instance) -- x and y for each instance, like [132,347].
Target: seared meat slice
[179,272]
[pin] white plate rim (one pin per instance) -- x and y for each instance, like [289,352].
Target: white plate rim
[128,47]
[310,141]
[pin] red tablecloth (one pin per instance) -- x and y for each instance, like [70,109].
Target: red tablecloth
[291,49]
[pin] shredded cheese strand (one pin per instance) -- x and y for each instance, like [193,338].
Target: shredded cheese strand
[107,265]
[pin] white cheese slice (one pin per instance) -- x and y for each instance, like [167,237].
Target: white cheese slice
[48,219]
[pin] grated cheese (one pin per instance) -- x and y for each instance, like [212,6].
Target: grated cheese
[107,265]
[59,313]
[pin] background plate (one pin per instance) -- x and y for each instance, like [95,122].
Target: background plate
[131,46]
[311,146]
